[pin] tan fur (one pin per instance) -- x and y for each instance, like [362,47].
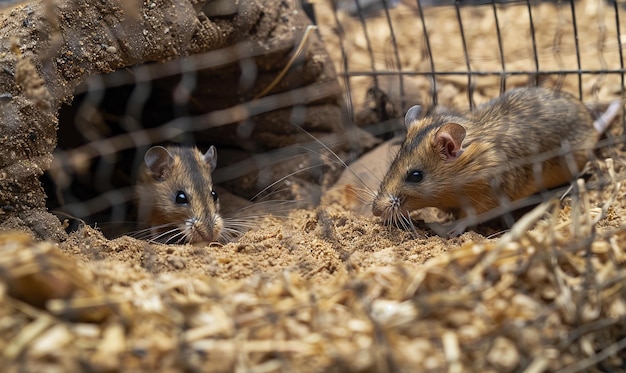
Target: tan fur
[156,195]
[505,138]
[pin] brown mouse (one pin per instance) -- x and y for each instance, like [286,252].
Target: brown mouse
[525,141]
[175,197]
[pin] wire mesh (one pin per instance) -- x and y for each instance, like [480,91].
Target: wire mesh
[305,103]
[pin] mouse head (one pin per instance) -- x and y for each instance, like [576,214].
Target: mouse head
[160,161]
[176,197]
[423,172]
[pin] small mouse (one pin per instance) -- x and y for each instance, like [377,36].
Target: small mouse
[466,163]
[175,196]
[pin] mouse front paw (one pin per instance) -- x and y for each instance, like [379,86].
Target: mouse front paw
[449,230]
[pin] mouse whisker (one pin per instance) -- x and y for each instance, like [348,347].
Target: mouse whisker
[236,231]
[137,233]
[400,221]
[334,160]
[267,197]
[234,228]
[411,225]
[230,234]
[339,160]
[240,224]
[144,233]
[269,207]
[166,236]
[184,237]
[366,199]
[498,234]
[391,219]
[282,179]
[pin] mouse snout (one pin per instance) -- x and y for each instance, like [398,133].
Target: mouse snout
[201,235]
[203,230]
[385,205]
[377,208]
[206,236]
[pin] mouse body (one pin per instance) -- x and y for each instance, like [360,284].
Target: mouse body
[175,196]
[525,141]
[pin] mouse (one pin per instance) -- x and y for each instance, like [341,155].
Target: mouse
[526,141]
[176,201]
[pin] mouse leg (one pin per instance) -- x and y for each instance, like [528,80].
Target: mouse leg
[439,229]
[449,230]
[457,228]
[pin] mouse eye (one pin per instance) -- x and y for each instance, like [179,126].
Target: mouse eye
[214,194]
[181,198]
[414,176]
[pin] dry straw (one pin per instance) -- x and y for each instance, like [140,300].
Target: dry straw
[549,295]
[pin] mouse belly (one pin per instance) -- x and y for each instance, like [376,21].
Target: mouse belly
[554,173]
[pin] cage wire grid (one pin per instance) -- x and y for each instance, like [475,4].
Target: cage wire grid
[256,100]
[325,288]
[184,123]
[139,138]
[568,30]
[378,54]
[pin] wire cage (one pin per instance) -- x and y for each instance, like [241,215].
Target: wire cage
[462,53]
[304,101]
[247,93]
[459,55]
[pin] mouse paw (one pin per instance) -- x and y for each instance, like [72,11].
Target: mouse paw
[456,229]
[450,230]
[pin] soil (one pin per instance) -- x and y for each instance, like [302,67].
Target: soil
[340,237]
[42,75]
[315,244]
[328,249]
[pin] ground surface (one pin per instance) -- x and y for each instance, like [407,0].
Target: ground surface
[328,288]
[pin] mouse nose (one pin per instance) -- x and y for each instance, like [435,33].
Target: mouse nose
[386,205]
[201,232]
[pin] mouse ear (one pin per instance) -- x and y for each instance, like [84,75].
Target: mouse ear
[158,161]
[210,157]
[449,139]
[412,115]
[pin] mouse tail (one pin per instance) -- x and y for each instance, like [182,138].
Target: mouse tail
[603,122]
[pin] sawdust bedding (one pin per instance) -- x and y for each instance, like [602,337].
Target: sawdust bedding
[326,290]
[329,289]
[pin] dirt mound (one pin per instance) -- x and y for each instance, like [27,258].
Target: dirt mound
[321,289]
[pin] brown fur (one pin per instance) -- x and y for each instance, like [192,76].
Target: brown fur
[505,140]
[156,194]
